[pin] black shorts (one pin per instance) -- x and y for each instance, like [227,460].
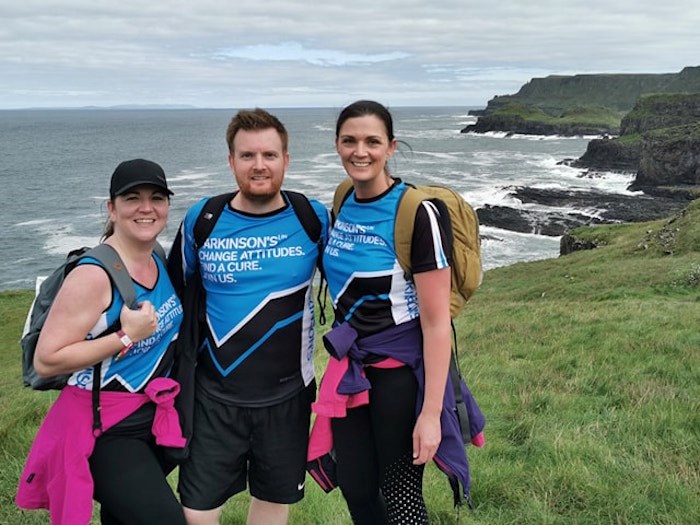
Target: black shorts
[265,447]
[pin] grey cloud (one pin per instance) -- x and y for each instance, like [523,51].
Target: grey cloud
[292,52]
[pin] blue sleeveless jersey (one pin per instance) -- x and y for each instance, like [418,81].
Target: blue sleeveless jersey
[148,358]
[367,285]
[257,272]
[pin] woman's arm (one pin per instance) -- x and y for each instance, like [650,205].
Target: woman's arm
[84,295]
[433,290]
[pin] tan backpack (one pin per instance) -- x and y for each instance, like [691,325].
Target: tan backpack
[461,225]
[460,222]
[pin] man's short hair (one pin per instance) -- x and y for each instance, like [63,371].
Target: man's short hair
[252,120]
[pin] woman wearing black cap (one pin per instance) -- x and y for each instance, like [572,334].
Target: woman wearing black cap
[119,464]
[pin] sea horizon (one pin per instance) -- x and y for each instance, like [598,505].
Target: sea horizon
[175,107]
[56,171]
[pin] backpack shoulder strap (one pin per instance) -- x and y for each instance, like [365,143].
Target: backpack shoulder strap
[116,270]
[159,251]
[306,214]
[119,275]
[404,224]
[312,225]
[207,218]
[342,192]
[405,218]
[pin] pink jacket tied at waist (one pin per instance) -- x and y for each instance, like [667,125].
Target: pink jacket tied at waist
[57,475]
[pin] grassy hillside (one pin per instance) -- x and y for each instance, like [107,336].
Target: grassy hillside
[652,112]
[658,141]
[593,116]
[579,104]
[556,93]
[587,367]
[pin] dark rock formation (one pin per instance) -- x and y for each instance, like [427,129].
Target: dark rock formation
[610,155]
[660,142]
[607,207]
[569,244]
[670,156]
[661,111]
[551,224]
[650,113]
[602,208]
[519,125]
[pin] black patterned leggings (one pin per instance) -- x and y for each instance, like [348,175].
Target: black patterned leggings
[374,448]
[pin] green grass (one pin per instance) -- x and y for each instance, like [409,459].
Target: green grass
[579,115]
[629,139]
[656,104]
[586,366]
[676,134]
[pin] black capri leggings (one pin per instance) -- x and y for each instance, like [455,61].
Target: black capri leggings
[374,450]
[129,473]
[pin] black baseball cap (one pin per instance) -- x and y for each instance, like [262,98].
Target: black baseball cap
[132,173]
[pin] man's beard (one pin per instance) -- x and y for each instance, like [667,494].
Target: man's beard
[259,198]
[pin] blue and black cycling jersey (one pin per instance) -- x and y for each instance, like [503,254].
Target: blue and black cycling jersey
[257,273]
[148,358]
[367,285]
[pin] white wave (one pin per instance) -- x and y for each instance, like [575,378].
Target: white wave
[35,222]
[482,167]
[50,224]
[493,196]
[187,175]
[485,158]
[426,134]
[551,163]
[612,182]
[62,244]
[503,247]
[464,119]
[488,134]
[522,136]
[19,284]
[543,208]
[324,159]
[431,155]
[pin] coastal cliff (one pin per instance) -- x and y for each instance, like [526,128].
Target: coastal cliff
[517,117]
[670,161]
[578,104]
[659,143]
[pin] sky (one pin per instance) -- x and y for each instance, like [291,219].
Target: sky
[306,53]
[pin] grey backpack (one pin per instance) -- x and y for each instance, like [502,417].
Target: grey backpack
[46,294]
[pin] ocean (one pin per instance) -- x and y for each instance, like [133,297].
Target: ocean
[56,164]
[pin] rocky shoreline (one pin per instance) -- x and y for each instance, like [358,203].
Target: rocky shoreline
[659,143]
[601,208]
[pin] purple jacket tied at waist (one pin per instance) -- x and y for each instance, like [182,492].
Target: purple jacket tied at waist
[347,383]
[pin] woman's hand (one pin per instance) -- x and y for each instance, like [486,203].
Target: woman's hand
[139,324]
[427,435]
